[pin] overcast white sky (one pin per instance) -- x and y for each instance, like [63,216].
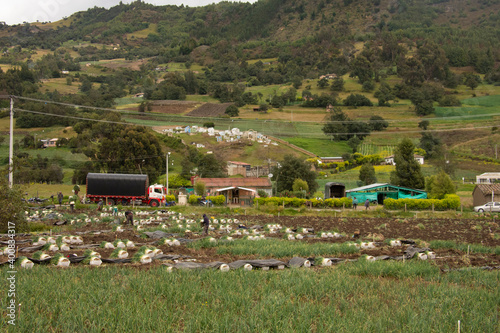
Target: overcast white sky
[19,11]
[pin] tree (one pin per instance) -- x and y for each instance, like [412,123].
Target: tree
[340,127]
[362,68]
[424,124]
[292,168]
[367,174]
[472,80]
[211,166]
[437,186]
[12,207]
[408,172]
[377,123]
[424,108]
[337,84]
[354,143]
[357,100]
[300,185]
[431,144]
[323,83]
[232,111]
[412,71]
[199,188]
[384,94]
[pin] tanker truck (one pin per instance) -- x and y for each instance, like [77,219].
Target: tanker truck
[113,188]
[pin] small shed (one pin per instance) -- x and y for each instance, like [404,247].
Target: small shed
[334,190]
[239,191]
[379,192]
[484,193]
[237,168]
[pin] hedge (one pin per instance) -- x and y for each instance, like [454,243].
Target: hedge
[296,202]
[217,200]
[193,199]
[450,201]
[170,198]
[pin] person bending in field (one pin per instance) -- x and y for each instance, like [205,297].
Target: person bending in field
[129,216]
[206,224]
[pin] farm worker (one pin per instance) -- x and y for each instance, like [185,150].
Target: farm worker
[355,203]
[60,198]
[206,223]
[367,204]
[99,205]
[72,203]
[129,217]
[115,211]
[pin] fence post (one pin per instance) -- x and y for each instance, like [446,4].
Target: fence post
[405,207]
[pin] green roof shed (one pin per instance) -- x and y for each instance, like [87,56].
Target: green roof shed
[380,191]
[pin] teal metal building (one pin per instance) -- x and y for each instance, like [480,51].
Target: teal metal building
[379,192]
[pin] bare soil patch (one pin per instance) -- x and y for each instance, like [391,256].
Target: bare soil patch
[467,231]
[209,110]
[173,107]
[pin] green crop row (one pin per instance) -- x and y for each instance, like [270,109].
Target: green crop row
[352,297]
[451,201]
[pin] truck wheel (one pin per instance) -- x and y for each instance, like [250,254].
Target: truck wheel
[111,202]
[154,203]
[124,202]
[480,210]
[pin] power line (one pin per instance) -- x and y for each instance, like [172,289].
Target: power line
[242,120]
[290,132]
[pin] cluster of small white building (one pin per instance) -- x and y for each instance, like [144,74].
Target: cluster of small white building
[230,135]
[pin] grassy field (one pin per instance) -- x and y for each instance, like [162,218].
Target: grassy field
[143,33]
[355,297]
[321,146]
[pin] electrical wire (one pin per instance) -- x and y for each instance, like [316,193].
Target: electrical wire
[285,132]
[238,120]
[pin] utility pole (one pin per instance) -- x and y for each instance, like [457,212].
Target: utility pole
[166,172]
[11,144]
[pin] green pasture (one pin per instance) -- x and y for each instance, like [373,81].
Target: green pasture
[320,146]
[181,67]
[61,86]
[351,297]
[143,33]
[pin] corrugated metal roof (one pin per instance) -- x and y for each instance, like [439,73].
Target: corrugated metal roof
[489,174]
[374,186]
[488,188]
[237,163]
[367,187]
[235,182]
[232,187]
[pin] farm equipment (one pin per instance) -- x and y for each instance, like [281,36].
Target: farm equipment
[124,189]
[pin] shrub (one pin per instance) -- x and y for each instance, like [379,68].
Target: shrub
[170,197]
[357,100]
[217,200]
[341,202]
[262,193]
[193,199]
[450,201]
